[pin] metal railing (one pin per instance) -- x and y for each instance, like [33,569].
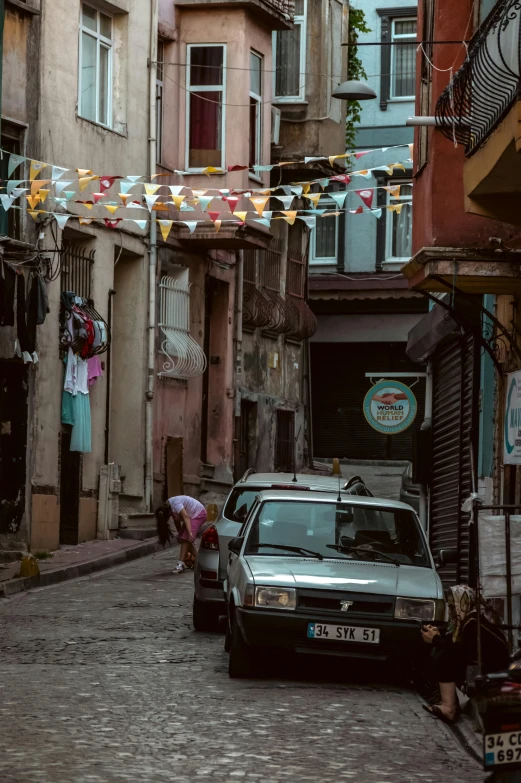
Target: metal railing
[186,358]
[76,269]
[487,84]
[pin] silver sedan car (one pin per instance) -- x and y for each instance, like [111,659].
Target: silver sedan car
[210,569]
[318,573]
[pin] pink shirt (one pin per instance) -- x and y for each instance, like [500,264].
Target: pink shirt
[192,506]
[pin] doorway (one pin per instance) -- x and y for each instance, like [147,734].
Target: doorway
[70,486]
[247,436]
[216,328]
[285,441]
[13,445]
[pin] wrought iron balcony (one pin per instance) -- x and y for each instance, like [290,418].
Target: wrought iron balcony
[488,83]
[278,14]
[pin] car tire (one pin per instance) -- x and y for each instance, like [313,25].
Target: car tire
[205,618]
[240,662]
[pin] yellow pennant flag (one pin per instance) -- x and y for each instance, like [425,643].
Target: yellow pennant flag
[395,208]
[84,181]
[124,198]
[150,190]
[165,226]
[34,213]
[217,224]
[111,208]
[160,206]
[85,221]
[362,172]
[43,192]
[241,215]
[178,200]
[84,172]
[259,202]
[332,158]
[198,193]
[37,184]
[314,197]
[305,187]
[87,204]
[33,200]
[394,166]
[36,167]
[394,190]
[211,170]
[290,216]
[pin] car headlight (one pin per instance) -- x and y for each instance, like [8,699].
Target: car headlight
[276,597]
[414,609]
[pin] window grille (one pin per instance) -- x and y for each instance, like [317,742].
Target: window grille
[76,270]
[186,358]
[296,275]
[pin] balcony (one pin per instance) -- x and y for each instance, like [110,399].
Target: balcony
[481,110]
[276,14]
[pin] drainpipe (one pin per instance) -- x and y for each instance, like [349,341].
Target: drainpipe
[152,251]
[239,286]
[427,425]
[2,13]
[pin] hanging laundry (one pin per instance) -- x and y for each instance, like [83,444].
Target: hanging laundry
[68,408]
[71,373]
[95,369]
[81,439]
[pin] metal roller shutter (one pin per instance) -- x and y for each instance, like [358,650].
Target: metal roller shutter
[339,386]
[454,403]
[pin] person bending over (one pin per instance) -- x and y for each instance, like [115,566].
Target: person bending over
[189,516]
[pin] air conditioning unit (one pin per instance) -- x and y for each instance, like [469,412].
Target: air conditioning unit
[275,125]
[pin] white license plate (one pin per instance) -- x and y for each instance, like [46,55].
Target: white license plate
[502,748]
[343,633]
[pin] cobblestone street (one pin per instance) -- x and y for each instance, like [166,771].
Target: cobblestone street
[103,680]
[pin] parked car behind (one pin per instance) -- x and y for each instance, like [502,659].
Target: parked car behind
[409,491]
[210,569]
[310,574]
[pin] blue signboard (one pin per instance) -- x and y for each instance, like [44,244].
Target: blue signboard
[390,407]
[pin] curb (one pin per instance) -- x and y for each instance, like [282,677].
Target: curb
[369,463]
[19,585]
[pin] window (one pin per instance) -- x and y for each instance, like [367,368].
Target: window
[399,225]
[159,100]
[324,238]
[95,72]
[255,110]
[403,58]
[398,54]
[205,106]
[185,357]
[289,57]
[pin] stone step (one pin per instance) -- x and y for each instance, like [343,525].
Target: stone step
[137,533]
[137,520]
[11,555]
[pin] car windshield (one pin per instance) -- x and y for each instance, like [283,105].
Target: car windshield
[338,530]
[239,503]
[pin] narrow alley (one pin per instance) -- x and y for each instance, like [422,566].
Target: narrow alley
[104,679]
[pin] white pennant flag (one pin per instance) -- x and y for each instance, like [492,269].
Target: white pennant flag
[338,198]
[133,178]
[14,162]
[311,222]
[6,201]
[191,224]
[12,184]
[297,190]
[141,223]
[61,186]
[61,220]
[268,214]
[125,185]
[311,160]
[286,200]
[263,221]
[175,190]
[376,212]
[57,172]
[151,200]
[19,191]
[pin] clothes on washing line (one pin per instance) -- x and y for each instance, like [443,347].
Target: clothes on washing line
[68,408]
[81,430]
[76,374]
[95,370]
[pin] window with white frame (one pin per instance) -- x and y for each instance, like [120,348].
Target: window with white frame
[289,58]
[403,59]
[255,153]
[95,71]
[205,107]
[398,244]
[324,237]
[159,100]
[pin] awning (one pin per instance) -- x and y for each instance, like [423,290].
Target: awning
[429,333]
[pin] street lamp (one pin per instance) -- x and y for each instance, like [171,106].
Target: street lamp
[354,90]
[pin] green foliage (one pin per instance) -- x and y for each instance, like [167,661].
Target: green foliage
[42,555]
[355,70]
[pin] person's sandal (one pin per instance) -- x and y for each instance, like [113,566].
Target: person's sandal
[435,712]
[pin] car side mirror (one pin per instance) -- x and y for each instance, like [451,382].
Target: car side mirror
[446,557]
[235,545]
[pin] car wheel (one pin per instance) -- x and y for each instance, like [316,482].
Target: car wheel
[227,638]
[205,618]
[240,662]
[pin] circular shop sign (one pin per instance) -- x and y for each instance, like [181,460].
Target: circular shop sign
[390,407]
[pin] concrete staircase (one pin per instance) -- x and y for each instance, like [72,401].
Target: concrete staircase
[136,525]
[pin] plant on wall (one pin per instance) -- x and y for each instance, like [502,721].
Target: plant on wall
[355,70]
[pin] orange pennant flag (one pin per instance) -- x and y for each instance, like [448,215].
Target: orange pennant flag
[259,202]
[84,172]
[33,200]
[34,213]
[124,198]
[43,192]
[37,184]
[178,200]
[394,190]
[290,215]
[85,221]
[160,206]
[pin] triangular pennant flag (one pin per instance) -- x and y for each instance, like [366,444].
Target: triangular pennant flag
[175,190]
[286,200]
[97,197]
[338,198]
[112,223]
[366,196]
[241,215]
[377,213]
[237,168]
[217,224]
[332,158]
[342,178]
[12,184]
[106,182]
[61,220]
[69,194]
[411,151]
[37,185]
[84,181]
[204,201]
[124,198]
[83,172]
[6,201]
[395,208]
[151,200]
[363,173]
[141,223]
[85,221]
[314,198]
[136,205]
[232,202]
[289,216]
[60,201]
[199,193]
[33,200]
[186,207]
[178,200]
[191,224]
[310,222]
[57,172]
[160,206]
[312,160]
[259,202]
[111,208]
[394,190]
[165,226]
[34,213]
[263,168]
[224,191]
[214,216]
[43,194]
[14,162]
[286,189]
[357,211]
[324,182]
[134,178]
[268,215]
[361,154]
[331,214]
[17,192]
[211,170]
[150,189]
[306,187]
[36,167]
[394,166]
[61,186]
[125,186]
[87,204]
[262,221]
